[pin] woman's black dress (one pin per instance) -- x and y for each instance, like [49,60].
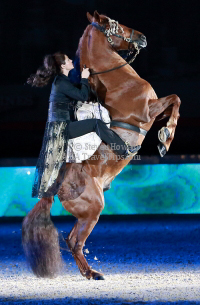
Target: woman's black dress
[51,164]
[61,126]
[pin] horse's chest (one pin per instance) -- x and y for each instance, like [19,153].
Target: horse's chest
[150,92]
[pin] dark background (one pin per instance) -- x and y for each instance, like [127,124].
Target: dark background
[31,29]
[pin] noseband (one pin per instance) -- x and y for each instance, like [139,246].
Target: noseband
[108,33]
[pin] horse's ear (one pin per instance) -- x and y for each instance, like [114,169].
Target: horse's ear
[97,16]
[100,18]
[89,17]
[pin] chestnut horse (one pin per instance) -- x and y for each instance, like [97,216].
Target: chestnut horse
[133,107]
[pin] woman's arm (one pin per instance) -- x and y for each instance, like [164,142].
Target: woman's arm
[76,94]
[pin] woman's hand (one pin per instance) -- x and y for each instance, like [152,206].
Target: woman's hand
[85,73]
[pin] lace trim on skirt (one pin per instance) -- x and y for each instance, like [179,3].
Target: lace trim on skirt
[51,164]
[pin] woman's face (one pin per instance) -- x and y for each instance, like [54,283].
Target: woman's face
[68,63]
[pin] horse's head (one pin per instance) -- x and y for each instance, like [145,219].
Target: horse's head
[98,46]
[118,35]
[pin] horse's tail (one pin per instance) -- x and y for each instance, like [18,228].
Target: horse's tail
[40,240]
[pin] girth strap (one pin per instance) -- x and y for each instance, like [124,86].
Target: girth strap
[128,126]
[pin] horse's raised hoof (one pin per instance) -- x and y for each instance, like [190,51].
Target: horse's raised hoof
[162,149]
[163,134]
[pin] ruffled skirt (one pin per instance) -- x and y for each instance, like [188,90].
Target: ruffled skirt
[51,164]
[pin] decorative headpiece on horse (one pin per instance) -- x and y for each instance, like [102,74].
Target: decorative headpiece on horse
[114,27]
[111,27]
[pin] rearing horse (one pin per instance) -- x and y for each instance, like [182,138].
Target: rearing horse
[133,106]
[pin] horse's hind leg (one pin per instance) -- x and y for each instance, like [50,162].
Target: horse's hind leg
[86,209]
[76,241]
[156,107]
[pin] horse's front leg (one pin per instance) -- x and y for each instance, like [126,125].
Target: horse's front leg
[165,114]
[156,107]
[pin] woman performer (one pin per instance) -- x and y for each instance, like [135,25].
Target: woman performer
[61,124]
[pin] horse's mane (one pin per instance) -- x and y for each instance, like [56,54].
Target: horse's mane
[82,39]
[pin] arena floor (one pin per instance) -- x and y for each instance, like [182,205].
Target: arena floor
[145,260]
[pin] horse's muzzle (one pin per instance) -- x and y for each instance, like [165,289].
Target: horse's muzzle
[142,41]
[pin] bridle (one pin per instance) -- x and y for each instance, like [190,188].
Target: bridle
[108,33]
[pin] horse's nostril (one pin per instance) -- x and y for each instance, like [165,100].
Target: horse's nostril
[142,37]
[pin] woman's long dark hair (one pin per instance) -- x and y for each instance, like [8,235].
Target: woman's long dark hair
[51,66]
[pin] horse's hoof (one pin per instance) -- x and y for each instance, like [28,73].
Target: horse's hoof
[162,149]
[96,275]
[98,278]
[163,134]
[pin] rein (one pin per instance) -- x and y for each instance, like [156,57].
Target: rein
[107,33]
[94,73]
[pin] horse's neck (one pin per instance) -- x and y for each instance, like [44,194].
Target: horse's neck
[120,90]
[96,53]
[102,57]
